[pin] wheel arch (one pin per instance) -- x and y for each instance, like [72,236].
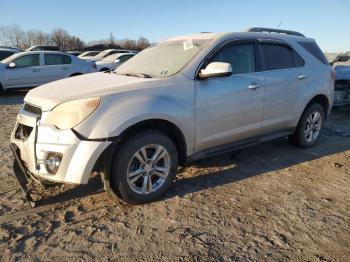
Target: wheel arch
[75,74]
[322,100]
[164,126]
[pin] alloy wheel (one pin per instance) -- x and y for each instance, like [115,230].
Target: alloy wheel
[148,169]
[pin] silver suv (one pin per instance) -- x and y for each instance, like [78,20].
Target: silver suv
[185,98]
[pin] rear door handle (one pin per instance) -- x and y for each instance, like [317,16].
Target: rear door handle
[301,77]
[36,70]
[65,68]
[254,86]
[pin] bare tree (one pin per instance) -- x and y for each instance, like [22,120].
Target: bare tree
[142,43]
[14,36]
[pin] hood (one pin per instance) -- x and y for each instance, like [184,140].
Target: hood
[91,85]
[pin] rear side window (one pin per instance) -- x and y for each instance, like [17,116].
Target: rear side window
[313,49]
[240,56]
[27,61]
[298,60]
[56,59]
[277,56]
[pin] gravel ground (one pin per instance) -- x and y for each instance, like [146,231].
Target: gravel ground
[268,202]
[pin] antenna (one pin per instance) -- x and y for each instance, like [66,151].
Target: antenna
[279,25]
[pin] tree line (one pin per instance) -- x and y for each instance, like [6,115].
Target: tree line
[15,36]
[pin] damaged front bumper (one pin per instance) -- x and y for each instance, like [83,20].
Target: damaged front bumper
[48,153]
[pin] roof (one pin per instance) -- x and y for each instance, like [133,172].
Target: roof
[9,49]
[255,32]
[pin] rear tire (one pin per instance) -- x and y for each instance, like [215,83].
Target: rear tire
[144,167]
[309,128]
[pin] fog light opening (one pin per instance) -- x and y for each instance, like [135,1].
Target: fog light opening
[53,161]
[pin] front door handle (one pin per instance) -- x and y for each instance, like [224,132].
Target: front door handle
[254,86]
[36,70]
[301,77]
[65,68]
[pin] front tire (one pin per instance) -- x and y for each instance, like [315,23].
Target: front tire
[144,167]
[309,128]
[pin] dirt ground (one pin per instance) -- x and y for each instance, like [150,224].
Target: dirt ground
[268,202]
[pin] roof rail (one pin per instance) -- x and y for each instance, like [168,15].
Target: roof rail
[272,30]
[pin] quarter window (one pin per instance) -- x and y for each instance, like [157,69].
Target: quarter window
[56,59]
[240,56]
[27,61]
[277,56]
[313,49]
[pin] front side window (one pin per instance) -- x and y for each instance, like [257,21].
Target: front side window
[124,58]
[56,59]
[240,56]
[27,61]
[277,56]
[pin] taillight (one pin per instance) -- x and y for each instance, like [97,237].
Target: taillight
[333,75]
[94,66]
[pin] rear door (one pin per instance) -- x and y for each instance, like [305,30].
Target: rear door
[57,66]
[26,73]
[285,76]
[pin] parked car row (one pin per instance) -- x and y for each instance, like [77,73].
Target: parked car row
[34,68]
[43,64]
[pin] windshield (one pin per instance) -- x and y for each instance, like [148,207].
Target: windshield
[164,59]
[10,58]
[103,53]
[110,58]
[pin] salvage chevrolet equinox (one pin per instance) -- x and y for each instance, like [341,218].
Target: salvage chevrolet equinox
[182,99]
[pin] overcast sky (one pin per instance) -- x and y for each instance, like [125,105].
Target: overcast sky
[326,21]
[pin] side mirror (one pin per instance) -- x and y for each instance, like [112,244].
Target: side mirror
[117,61]
[11,65]
[216,69]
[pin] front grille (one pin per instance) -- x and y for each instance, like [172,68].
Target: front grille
[32,109]
[23,131]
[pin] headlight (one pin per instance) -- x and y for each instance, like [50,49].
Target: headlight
[71,114]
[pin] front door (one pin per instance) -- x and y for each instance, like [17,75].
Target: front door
[26,73]
[230,109]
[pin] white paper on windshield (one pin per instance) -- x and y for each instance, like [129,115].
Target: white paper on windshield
[188,44]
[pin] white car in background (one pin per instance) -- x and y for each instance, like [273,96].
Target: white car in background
[88,54]
[6,52]
[109,52]
[34,68]
[113,61]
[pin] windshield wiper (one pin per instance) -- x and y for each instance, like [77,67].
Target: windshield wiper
[140,75]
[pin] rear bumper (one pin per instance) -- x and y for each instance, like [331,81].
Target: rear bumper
[32,151]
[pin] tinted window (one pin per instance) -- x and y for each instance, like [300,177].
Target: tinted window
[5,54]
[27,61]
[298,60]
[124,58]
[240,56]
[277,56]
[313,48]
[56,59]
